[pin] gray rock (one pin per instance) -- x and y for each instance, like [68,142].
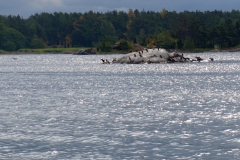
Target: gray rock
[156,55]
[85,52]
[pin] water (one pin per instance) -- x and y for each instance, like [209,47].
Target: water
[74,107]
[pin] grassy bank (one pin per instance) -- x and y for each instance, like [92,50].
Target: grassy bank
[3,52]
[73,50]
[63,50]
[50,50]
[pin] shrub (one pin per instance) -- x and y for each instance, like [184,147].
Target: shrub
[189,44]
[9,46]
[125,45]
[38,43]
[104,45]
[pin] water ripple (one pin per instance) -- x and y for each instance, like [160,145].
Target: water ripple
[73,107]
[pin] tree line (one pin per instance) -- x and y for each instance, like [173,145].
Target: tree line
[167,29]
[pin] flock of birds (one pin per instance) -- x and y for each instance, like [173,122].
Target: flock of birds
[156,55]
[148,56]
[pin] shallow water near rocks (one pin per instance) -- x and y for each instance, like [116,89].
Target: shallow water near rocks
[74,107]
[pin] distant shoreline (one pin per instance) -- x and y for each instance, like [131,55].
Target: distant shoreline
[119,52]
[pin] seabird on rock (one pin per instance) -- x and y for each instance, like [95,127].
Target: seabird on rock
[198,59]
[103,60]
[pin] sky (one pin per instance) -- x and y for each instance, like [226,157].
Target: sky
[26,8]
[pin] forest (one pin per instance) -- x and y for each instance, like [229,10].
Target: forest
[167,29]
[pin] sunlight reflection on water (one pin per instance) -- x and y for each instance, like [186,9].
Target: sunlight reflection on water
[74,107]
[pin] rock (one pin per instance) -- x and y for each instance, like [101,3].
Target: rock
[145,56]
[155,55]
[234,50]
[85,52]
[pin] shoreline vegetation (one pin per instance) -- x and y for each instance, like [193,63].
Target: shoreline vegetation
[74,50]
[120,32]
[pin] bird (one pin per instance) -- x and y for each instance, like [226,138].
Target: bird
[114,60]
[103,60]
[14,58]
[211,58]
[149,61]
[198,59]
[185,59]
[130,60]
[172,60]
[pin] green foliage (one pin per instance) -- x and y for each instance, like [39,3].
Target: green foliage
[38,43]
[165,40]
[2,52]
[147,28]
[141,37]
[217,47]
[11,39]
[77,39]
[51,50]
[189,44]
[125,45]
[104,45]
[9,46]
[180,44]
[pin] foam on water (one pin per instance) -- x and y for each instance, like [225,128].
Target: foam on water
[74,107]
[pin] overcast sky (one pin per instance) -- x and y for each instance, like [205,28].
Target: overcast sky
[25,8]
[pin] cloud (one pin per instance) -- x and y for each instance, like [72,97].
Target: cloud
[42,4]
[25,8]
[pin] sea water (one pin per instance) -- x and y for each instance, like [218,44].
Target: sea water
[73,107]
